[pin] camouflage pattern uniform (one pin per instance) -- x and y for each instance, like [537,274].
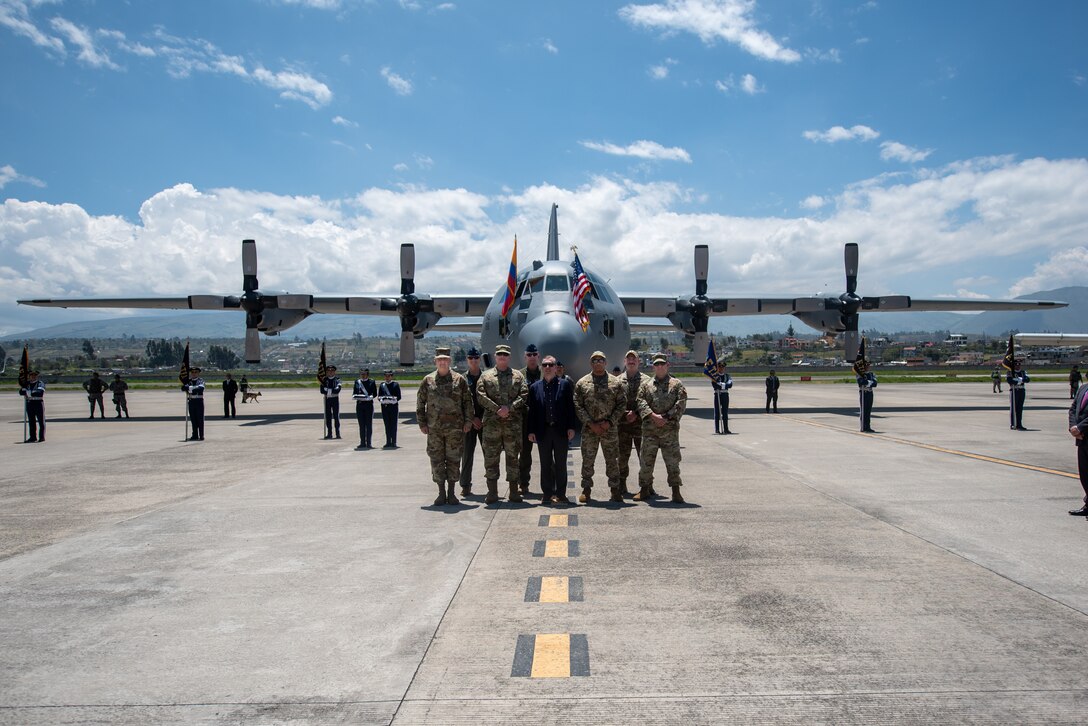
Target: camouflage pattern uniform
[630,435]
[444,406]
[495,390]
[668,398]
[597,400]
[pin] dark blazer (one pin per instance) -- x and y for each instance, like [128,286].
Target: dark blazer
[1078,416]
[565,417]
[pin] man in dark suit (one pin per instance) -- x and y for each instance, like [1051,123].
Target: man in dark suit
[1078,428]
[551,427]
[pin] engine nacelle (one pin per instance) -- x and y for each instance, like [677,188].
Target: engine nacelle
[273,320]
[826,321]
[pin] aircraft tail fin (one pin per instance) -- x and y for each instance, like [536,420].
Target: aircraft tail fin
[553,235]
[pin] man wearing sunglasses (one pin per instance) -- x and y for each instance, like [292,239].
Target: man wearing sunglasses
[551,427]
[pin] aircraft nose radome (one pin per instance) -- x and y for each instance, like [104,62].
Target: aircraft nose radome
[555,334]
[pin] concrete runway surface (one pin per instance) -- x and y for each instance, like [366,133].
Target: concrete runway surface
[926,573]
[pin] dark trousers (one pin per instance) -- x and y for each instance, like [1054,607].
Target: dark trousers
[721,411]
[229,409]
[1073,389]
[93,398]
[35,414]
[196,417]
[865,408]
[120,402]
[389,418]
[364,411]
[468,453]
[525,459]
[1016,407]
[1082,466]
[772,398]
[332,415]
[553,447]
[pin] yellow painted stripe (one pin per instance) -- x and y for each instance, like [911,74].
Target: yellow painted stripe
[554,589]
[551,657]
[555,548]
[557,520]
[941,449]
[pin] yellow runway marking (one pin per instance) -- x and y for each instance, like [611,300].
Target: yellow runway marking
[557,520]
[941,449]
[555,548]
[554,589]
[552,656]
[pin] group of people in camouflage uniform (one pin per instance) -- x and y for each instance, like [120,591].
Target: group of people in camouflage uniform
[617,414]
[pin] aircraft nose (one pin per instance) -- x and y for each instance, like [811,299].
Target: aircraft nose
[557,334]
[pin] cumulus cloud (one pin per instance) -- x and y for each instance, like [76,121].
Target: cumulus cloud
[401,86]
[550,46]
[813,202]
[895,151]
[346,123]
[712,20]
[8,175]
[641,149]
[841,133]
[1064,268]
[750,85]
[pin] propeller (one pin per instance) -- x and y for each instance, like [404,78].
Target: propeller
[850,303]
[409,306]
[700,303]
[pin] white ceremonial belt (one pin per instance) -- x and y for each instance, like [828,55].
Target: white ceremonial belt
[358,397]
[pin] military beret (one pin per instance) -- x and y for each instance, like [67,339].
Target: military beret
[660,358]
[502,350]
[598,354]
[531,348]
[473,352]
[441,352]
[631,354]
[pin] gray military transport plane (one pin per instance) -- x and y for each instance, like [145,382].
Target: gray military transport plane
[543,311]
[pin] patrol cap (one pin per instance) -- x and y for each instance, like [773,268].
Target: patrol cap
[631,354]
[389,373]
[502,349]
[441,353]
[328,368]
[598,354]
[660,358]
[531,348]
[473,352]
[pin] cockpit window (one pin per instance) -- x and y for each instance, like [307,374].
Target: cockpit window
[598,289]
[556,283]
[536,285]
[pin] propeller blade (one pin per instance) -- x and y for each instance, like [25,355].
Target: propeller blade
[407,270]
[851,339]
[209,302]
[851,259]
[249,265]
[407,348]
[702,342]
[253,346]
[702,268]
[888,302]
[294,302]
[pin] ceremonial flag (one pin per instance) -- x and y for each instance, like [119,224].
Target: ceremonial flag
[860,364]
[511,281]
[321,365]
[24,368]
[183,373]
[1010,356]
[578,292]
[711,364]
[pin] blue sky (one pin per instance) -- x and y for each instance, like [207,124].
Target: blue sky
[141,141]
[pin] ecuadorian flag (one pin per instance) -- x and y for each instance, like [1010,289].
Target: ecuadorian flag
[511,281]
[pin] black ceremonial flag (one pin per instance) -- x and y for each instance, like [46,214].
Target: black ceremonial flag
[24,368]
[860,364]
[1010,356]
[321,365]
[183,372]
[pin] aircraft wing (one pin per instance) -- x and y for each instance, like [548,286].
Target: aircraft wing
[190,302]
[648,306]
[975,305]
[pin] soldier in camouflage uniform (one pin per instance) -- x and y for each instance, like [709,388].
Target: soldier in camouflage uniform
[444,413]
[599,400]
[503,394]
[661,403]
[630,434]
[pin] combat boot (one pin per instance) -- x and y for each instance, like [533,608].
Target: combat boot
[586,497]
[492,492]
[466,490]
[617,495]
[643,494]
[676,498]
[515,493]
[441,496]
[450,497]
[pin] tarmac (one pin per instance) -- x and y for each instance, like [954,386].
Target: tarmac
[926,573]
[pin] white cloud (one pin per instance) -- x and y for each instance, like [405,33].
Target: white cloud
[841,133]
[726,84]
[15,16]
[813,201]
[401,167]
[9,175]
[316,4]
[402,86]
[550,46]
[346,123]
[712,20]
[423,161]
[295,85]
[895,151]
[750,85]
[661,70]
[641,149]
[1064,268]
[82,39]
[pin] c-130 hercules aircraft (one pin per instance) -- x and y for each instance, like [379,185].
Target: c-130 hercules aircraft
[543,310]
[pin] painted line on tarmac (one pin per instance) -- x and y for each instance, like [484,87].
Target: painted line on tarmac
[554,589]
[556,548]
[940,449]
[558,520]
[551,655]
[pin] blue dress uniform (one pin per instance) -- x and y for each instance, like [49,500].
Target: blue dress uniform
[34,393]
[195,389]
[330,391]
[364,391]
[389,398]
[1016,378]
[721,383]
[866,384]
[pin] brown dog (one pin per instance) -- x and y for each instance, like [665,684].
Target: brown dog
[253,396]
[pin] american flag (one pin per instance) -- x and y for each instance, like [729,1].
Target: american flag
[579,292]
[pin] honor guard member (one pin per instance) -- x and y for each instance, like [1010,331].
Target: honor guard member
[34,393]
[230,392]
[95,387]
[120,399]
[330,391]
[444,413]
[1074,381]
[1078,428]
[771,383]
[551,427]
[243,386]
[472,436]
[502,393]
[364,391]
[866,383]
[995,376]
[531,372]
[389,398]
[720,383]
[661,403]
[630,432]
[195,391]
[600,400]
[1017,378]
